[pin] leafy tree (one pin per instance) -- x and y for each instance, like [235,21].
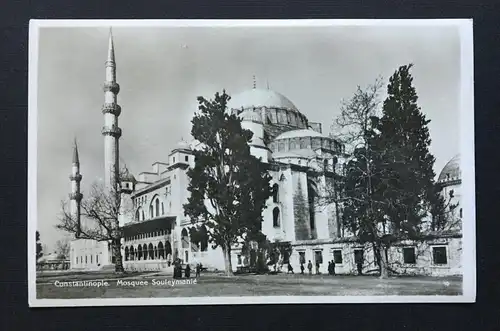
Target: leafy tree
[301,215]
[356,188]
[406,175]
[228,186]
[62,249]
[100,213]
[39,249]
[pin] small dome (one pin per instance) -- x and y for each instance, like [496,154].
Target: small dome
[299,134]
[127,176]
[182,144]
[451,171]
[260,98]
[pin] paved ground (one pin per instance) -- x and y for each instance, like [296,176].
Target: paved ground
[245,285]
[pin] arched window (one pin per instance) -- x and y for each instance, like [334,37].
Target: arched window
[161,252]
[151,211]
[131,255]
[142,214]
[126,253]
[168,249]
[145,251]
[275,193]
[276,217]
[162,209]
[151,252]
[184,238]
[138,215]
[157,207]
[139,252]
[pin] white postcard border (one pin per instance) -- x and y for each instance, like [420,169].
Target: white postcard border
[467,165]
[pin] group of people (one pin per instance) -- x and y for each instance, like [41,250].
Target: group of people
[187,269]
[331,268]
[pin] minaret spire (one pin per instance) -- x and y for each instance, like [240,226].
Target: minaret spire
[76,159]
[75,196]
[254,83]
[111,110]
[111,47]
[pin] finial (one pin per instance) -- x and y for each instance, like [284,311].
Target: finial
[76,159]
[111,47]
[254,82]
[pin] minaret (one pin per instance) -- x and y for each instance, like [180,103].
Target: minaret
[75,195]
[111,111]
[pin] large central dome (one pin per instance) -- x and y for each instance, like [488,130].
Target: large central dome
[257,98]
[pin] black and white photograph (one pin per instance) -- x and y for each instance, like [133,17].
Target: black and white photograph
[195,162]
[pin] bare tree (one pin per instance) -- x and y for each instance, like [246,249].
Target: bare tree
[100,214]
[63,248]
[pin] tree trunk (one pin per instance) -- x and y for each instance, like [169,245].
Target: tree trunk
[227,260]
[117,252]
[384,272]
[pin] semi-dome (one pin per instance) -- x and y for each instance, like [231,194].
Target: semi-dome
[260,98]
[299,134]
[451,170]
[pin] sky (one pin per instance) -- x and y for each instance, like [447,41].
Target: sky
[161,71]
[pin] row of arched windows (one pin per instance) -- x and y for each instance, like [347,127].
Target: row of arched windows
[148,252]
[156,209]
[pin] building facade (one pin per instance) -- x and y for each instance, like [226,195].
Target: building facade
[302,162]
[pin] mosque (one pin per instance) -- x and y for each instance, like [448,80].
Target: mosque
[301,160]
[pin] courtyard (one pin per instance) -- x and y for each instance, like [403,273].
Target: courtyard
[158,285]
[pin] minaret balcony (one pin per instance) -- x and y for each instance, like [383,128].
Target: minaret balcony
[111,108]
[76,196]
[76,177]
[111,87]
[111,131]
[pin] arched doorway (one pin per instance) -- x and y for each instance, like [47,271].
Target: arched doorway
[161,252]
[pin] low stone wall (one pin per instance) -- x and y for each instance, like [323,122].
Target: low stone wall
[146,265]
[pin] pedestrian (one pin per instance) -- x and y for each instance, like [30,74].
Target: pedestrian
[360,268]
[302,268]
[333,268]
[198,269]
[317,268]
[310,267]
[329,267]
[187,271]
[290,269]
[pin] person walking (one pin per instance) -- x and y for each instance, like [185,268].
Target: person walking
[329,267]
[187,272]
[317,268]
[333,267]
[310,267]
[198,270]
[290,269]
[302,268]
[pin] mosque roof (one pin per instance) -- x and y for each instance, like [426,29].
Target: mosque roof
[182,144]
[451,171]
[299,134]
[260,98]
[302,153]
[127,176]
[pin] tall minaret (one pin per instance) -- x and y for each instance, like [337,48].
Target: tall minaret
[75,195]
[111,111]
